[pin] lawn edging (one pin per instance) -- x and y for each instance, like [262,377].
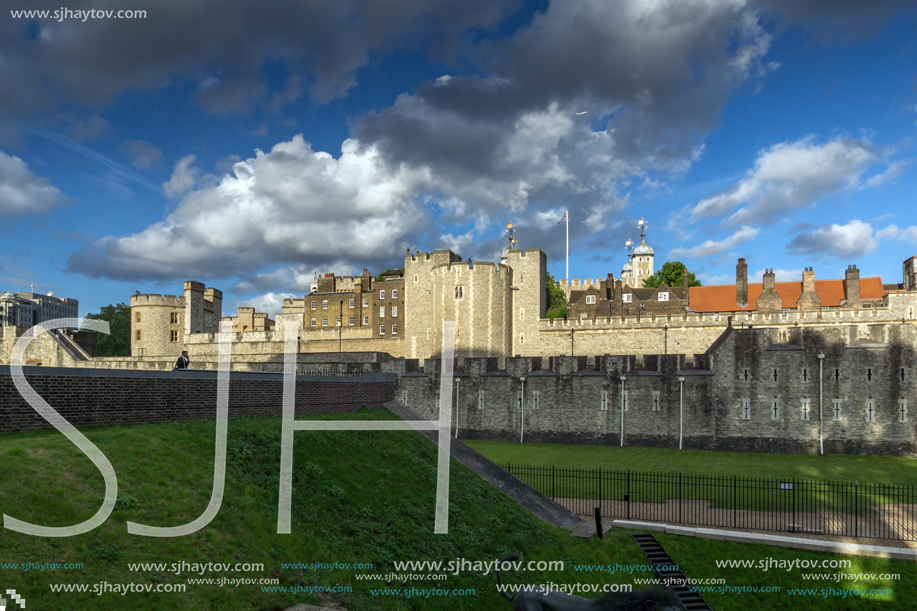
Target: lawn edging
[815,545]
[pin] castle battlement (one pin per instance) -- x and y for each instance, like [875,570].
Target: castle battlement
[471,266]
[579,282]
[156,299]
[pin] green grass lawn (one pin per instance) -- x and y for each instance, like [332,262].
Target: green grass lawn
[358,497]
[829,467]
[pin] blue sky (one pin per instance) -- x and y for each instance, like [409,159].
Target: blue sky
[248,147]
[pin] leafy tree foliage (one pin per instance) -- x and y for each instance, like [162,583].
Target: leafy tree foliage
[672,273]
[118,343]
[557,299]
[379,277]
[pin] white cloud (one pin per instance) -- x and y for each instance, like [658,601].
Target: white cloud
[792,175]
[269,303]
[854,239]
[288,205]
[184,176]
[21,192]
[715,247]
[144,155]
[780,275]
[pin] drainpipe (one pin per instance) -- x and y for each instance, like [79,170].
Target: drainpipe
[457,382]
[623,378]
[821,387]
[522,405]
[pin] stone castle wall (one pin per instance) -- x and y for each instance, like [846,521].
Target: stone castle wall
[579,399]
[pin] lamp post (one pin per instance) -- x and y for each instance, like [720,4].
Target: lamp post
[681,410]
[821,419]
[457,382]
[623,379]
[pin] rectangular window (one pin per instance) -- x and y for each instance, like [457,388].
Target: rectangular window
[313,305]
[746,409]
[381,329]
[173,318]
[626,297]
[381,311]
[366,320]
[783,312]
[394,329]
[480,399]
[603,403]
[458,292]
[173,336]
[365,302]
[404,397]
[381,294]
[324,304]
[394,311]
[324,321]
[137,317]
[137,335]
[350,321]
[536,397]
[836,409]
[870,410]
[663,296]
[902,410]
[656,406]
[350,305]
[806,408]
[313,322]
[394,293]
[590,299]
[337,321]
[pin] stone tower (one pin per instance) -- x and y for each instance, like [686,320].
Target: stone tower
[643,258]
[529,292]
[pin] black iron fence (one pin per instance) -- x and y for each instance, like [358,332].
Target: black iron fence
[875,511]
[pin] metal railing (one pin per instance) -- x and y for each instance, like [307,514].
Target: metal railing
[875,511]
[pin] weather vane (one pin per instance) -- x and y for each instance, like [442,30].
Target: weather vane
[643,225]
[512,237]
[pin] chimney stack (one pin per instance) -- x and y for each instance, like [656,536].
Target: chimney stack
[742,284]
[809,299]
[769,301]
[852,286]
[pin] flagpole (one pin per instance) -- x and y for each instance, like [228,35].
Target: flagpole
[567,214]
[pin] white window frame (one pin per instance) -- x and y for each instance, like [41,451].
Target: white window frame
[314,304]
[337,321]
[365,302]
[381,311]
[394,311]
[350,321]
[351,304]
[626,298]
[381,329]
[664,296]
[366,320]
[590,299]
[324,321]
[394,293]
[394,329]
[324,304]
[382,294]
[313,323]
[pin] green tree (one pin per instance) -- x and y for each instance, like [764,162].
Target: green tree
[672,273]
[379,277]
[557,299]
[118,342]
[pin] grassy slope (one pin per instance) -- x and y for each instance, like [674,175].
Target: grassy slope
[843,468]
[359,497]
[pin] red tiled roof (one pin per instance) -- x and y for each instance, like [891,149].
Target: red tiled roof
[722,297]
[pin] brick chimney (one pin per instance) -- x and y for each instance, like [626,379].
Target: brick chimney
[684,279]
[852,287]
[742,284]
[809,299]
[769,301]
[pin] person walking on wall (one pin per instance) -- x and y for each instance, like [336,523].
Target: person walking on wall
[183,361]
